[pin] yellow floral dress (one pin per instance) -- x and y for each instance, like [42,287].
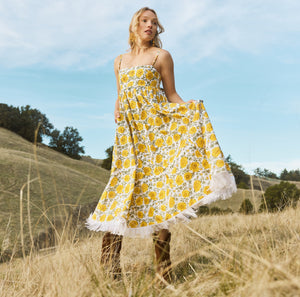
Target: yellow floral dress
[166,160]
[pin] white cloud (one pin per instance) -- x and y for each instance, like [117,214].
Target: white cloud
[59,33]
[89,33]
[213,27]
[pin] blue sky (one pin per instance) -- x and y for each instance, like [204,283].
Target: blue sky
[240,57]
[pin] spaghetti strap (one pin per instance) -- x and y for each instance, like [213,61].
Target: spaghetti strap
[155,58]
[120,61]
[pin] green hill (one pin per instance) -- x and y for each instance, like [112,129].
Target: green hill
[58,184]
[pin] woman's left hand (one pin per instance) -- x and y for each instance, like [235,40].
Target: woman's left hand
[190,101]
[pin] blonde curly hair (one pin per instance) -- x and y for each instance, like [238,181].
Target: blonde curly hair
[134,25]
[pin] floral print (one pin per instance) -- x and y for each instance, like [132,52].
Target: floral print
[166,160]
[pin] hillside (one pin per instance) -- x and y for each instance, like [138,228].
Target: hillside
[58,183]
[59,187]
[255,196]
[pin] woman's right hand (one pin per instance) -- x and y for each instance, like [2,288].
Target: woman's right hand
[117,110]
[190,101]
[117,114]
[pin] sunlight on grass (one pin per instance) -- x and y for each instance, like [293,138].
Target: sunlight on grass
[217,255]
[232,255]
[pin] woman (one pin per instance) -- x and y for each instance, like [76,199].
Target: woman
[166,159]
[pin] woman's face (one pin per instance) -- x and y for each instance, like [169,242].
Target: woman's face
[147,27]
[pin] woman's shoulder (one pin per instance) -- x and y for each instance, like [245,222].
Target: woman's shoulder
[119,57]
[164,55]
[163,52]
[118,60]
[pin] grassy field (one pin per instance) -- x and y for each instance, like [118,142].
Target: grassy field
[228,255]
[235,201]
[57,185]
[225,255]
[53,186]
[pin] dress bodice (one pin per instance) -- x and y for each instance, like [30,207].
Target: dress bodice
[139,77]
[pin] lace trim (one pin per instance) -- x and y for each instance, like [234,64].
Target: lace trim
[222,186]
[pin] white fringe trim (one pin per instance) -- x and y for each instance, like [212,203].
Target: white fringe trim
[222,187]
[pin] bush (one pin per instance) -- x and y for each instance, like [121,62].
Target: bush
[238,172]
[246,207]
[215,210]
[109,155]
[227,210]
[203,210]
[279,196]
[242,185]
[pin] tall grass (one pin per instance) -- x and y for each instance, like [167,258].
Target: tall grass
[226,255]
[40,188]
[221,255]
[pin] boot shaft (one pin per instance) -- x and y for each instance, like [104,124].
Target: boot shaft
[110,256]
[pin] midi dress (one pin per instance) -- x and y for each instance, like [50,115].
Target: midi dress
[166,162]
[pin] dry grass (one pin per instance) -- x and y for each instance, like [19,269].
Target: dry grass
[56,181]
[229,255]
[235,201]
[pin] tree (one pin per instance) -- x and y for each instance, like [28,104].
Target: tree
[265,173]
[33,120]
[238,172]
[67,142]
[279,196]
[25,121]
[9,117]
[56,141]
[284,174]
[246,207]
[293,175]
[107,162]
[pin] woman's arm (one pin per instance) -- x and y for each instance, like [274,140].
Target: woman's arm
[166,66]
[117,104]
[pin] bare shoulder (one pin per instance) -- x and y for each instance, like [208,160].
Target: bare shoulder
[117,60]
[165,59]
[164,54]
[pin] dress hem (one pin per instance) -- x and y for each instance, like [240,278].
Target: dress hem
[222,186]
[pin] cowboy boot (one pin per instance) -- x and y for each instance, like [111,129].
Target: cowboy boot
[110,257]
[162,252]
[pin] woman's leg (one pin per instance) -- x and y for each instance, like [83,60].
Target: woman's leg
[110,256]
[162,251]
